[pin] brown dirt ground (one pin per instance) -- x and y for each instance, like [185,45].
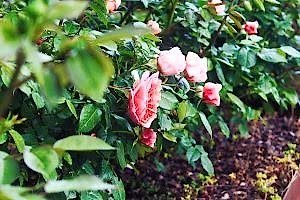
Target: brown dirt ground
[236,162]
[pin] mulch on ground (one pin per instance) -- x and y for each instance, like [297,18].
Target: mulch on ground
[237,163]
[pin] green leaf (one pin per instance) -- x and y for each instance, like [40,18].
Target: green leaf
[90,116]
[246,57]
[137,29]
[292,96]
[42,159]
[259,4]
[243,128]
[9,170]
[169,137]
[81,183]
[91,195]
[273,2]
[237,102]
[207,164]
[71,28]
[8,192]
[168,100]
[193,154]
[99,7]
[121,155]
[182,110]
[19,141]
[66,9]
[220,73]
[38,100]
[82,143]
[291,51]
[224,128]
[272,55]
[205,123]
[72,108]
[164,121]
[90,71]
[3,137]
[145,2]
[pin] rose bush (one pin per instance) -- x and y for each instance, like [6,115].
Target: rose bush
[90,86]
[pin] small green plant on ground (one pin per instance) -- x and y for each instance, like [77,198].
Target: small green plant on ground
[265,185]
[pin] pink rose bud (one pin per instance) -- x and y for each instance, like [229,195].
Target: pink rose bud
[196,68]
[218,6]
[154,27]
[148,137]
[144,99]
[112,5]
[211,93]
[171,62]
[251,27]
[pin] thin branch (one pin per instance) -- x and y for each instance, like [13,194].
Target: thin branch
[8,93]
[214,39]
[174,4]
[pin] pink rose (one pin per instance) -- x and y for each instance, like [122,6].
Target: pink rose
[148,137]
[154,27]
[196,68]
[211,93]
[218,6]
[171,62]
[144,99]
[112,5]
[251,27]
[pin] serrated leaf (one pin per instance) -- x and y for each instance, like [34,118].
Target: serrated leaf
[82,143]
[18,139]
[81,183]
[205,123]
[90,116]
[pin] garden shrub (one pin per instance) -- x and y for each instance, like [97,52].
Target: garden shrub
[91,86]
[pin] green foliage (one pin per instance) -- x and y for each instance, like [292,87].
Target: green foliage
[68,67]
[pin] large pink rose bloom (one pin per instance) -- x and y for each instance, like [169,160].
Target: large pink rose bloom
[144,99]
[211,93]
[154,27]
[171,62]
[112,5]
[148,137]
[251,27]
[196,68]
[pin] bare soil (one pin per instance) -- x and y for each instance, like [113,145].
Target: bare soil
[237,162]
